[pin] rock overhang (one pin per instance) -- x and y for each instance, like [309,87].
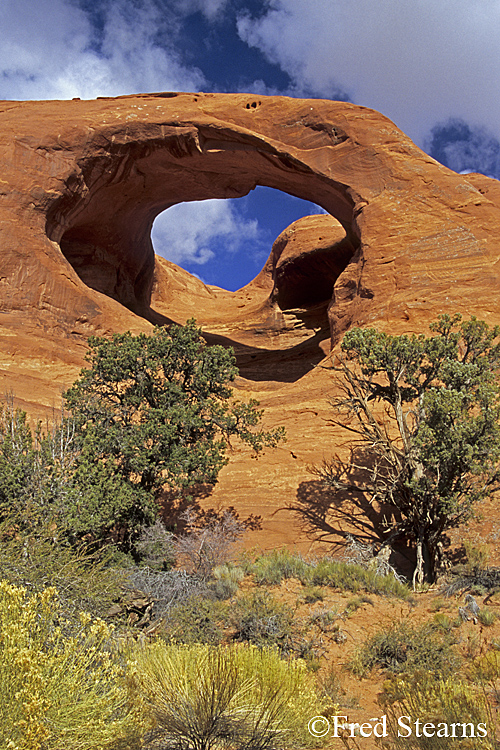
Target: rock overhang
[83,181]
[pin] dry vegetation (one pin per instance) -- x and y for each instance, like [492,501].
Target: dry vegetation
[241,655]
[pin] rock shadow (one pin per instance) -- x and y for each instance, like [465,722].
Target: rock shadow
[330,516]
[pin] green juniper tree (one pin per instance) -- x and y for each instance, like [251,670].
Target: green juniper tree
[153,412]
[424,413]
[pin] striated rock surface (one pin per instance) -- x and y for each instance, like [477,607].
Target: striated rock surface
[82,181]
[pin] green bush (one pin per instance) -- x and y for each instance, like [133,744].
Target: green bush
[84,580]
[272,568]
[351,577]
[487,618]
[313,594]
[405,648]
[227,579]
[263,621]
[209,698]
[194,620]
[59,683]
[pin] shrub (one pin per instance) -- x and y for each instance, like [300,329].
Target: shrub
[404,648]
[349,577]
[477,557]
[263,621]
[355,603]
[156,547]
[226,581]
[313,594]
[332,688]
[209,698]
[207,543]
[325,619]
[442,702]
[270,569]
[444,622]
[487,618]
[84,580]
[194,620]
[59,684]
[486,672]
[167,588]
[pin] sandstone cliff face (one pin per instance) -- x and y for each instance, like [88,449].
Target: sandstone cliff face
[82,181]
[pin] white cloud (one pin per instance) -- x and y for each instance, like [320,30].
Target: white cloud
[417,61]
[49,49]
[194,232]
[211,9]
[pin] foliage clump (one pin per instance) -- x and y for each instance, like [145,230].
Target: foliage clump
[275,566]
[451,708]
[280,564]
[60,685]
[225,697]
[85,580]
[424,413]
[260,619]
[351,577]
[193,620]
[405,648]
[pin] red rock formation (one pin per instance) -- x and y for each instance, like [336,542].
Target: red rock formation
[82,181]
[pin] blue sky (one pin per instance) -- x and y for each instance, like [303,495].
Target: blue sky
[432,66]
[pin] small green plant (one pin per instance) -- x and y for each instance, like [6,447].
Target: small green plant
[263,621]
[477,557]
[406,648]
[313,594]
[227,579]
[437,604]
[444,622]
[272,568]
[325,618]
[195,620]
[353,577]
[486,617]
[355,603]
[210,698]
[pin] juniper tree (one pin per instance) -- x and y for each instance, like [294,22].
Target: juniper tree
[424,414]
[153,412]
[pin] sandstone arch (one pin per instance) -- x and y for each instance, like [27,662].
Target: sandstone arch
[82,182]
[126,176]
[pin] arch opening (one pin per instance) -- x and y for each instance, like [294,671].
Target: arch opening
[103,225]
[226,243]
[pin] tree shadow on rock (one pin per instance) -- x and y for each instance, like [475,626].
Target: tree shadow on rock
[177,506]
[328,516]
[333,516]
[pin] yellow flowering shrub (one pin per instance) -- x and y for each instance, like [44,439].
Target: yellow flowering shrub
[60,686]
[225,696]
[442,702]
